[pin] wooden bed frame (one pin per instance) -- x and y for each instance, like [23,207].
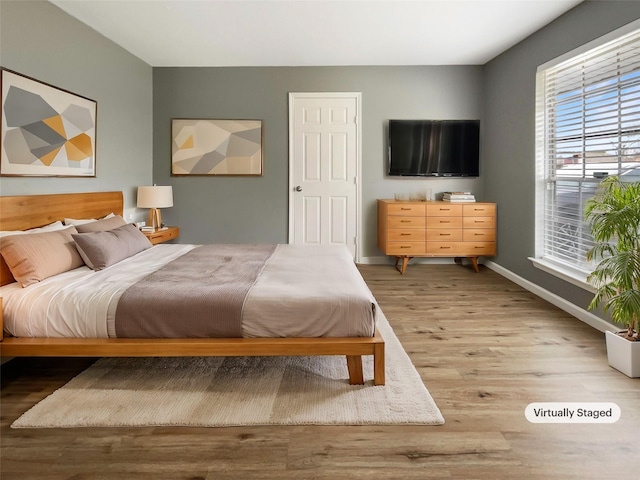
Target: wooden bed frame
[30,211]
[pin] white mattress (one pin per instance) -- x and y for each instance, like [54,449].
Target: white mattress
[81,303]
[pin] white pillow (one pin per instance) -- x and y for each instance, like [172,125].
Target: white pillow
[47,228]
[75,221]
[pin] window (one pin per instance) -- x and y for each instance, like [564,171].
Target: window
[587,128]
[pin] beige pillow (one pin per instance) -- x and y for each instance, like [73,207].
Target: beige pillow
[102,225]
[103,249]
[34,257]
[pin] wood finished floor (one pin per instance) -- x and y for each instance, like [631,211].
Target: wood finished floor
[484,347]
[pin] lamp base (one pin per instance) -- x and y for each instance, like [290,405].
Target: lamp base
[155,218]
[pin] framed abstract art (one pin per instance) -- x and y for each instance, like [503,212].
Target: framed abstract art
[216,147]
[46,131]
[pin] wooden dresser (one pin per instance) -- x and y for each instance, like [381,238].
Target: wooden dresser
[436,229]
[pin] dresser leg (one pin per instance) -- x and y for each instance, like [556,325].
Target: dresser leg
[405,261]
[474,262]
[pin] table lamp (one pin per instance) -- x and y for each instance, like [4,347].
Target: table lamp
[155,198]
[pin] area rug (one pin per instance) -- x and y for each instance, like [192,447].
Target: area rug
[238,391]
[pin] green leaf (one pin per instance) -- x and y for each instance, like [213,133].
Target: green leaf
[614,217]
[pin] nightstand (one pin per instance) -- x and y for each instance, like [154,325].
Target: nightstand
[161,236]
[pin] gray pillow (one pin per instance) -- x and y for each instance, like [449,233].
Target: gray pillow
[102,249]
[101,225]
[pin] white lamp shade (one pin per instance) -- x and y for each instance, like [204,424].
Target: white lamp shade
[155,197]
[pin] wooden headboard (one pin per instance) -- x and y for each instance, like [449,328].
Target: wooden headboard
[30,211]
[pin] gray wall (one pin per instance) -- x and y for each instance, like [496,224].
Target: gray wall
[39,40]
[255,209]
[509,135]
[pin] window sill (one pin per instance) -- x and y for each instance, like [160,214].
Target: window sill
[574,277]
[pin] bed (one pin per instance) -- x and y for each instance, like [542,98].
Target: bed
[26,212]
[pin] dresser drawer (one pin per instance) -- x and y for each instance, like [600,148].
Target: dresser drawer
[446,249]
[405,248]
[478,222]
[480,248]
[479,210]
[444,234]
[479,235]
[461,249]
[409,235]
[444,222]
[405,222]
[444,210]
[408,209]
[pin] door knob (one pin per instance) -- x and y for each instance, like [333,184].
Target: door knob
[298,188]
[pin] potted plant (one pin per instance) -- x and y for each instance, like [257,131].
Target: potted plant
[614,216]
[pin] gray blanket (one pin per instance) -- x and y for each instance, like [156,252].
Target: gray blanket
[199,295]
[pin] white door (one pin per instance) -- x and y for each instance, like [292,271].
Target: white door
[324,169]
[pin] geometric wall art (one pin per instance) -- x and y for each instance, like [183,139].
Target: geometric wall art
[46,131]
[216,147]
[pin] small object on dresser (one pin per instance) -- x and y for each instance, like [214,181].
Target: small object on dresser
[147,228]
[458,197]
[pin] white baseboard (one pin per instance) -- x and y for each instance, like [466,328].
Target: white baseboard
[375,261]
[572,309]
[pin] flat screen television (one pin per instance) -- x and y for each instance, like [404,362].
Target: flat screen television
[434,148]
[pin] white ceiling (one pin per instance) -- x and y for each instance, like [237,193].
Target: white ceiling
[319,32]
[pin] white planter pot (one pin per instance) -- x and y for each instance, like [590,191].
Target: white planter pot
[623,355]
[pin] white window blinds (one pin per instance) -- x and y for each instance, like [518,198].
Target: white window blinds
[587,128]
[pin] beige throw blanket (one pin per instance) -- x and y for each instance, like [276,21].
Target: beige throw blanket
[198,295]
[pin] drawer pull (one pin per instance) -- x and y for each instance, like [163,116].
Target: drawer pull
[404,208]
[405,221]
[445,234]
[479,234]
[405,246]
[445,221]
[405,234]
[445,247]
